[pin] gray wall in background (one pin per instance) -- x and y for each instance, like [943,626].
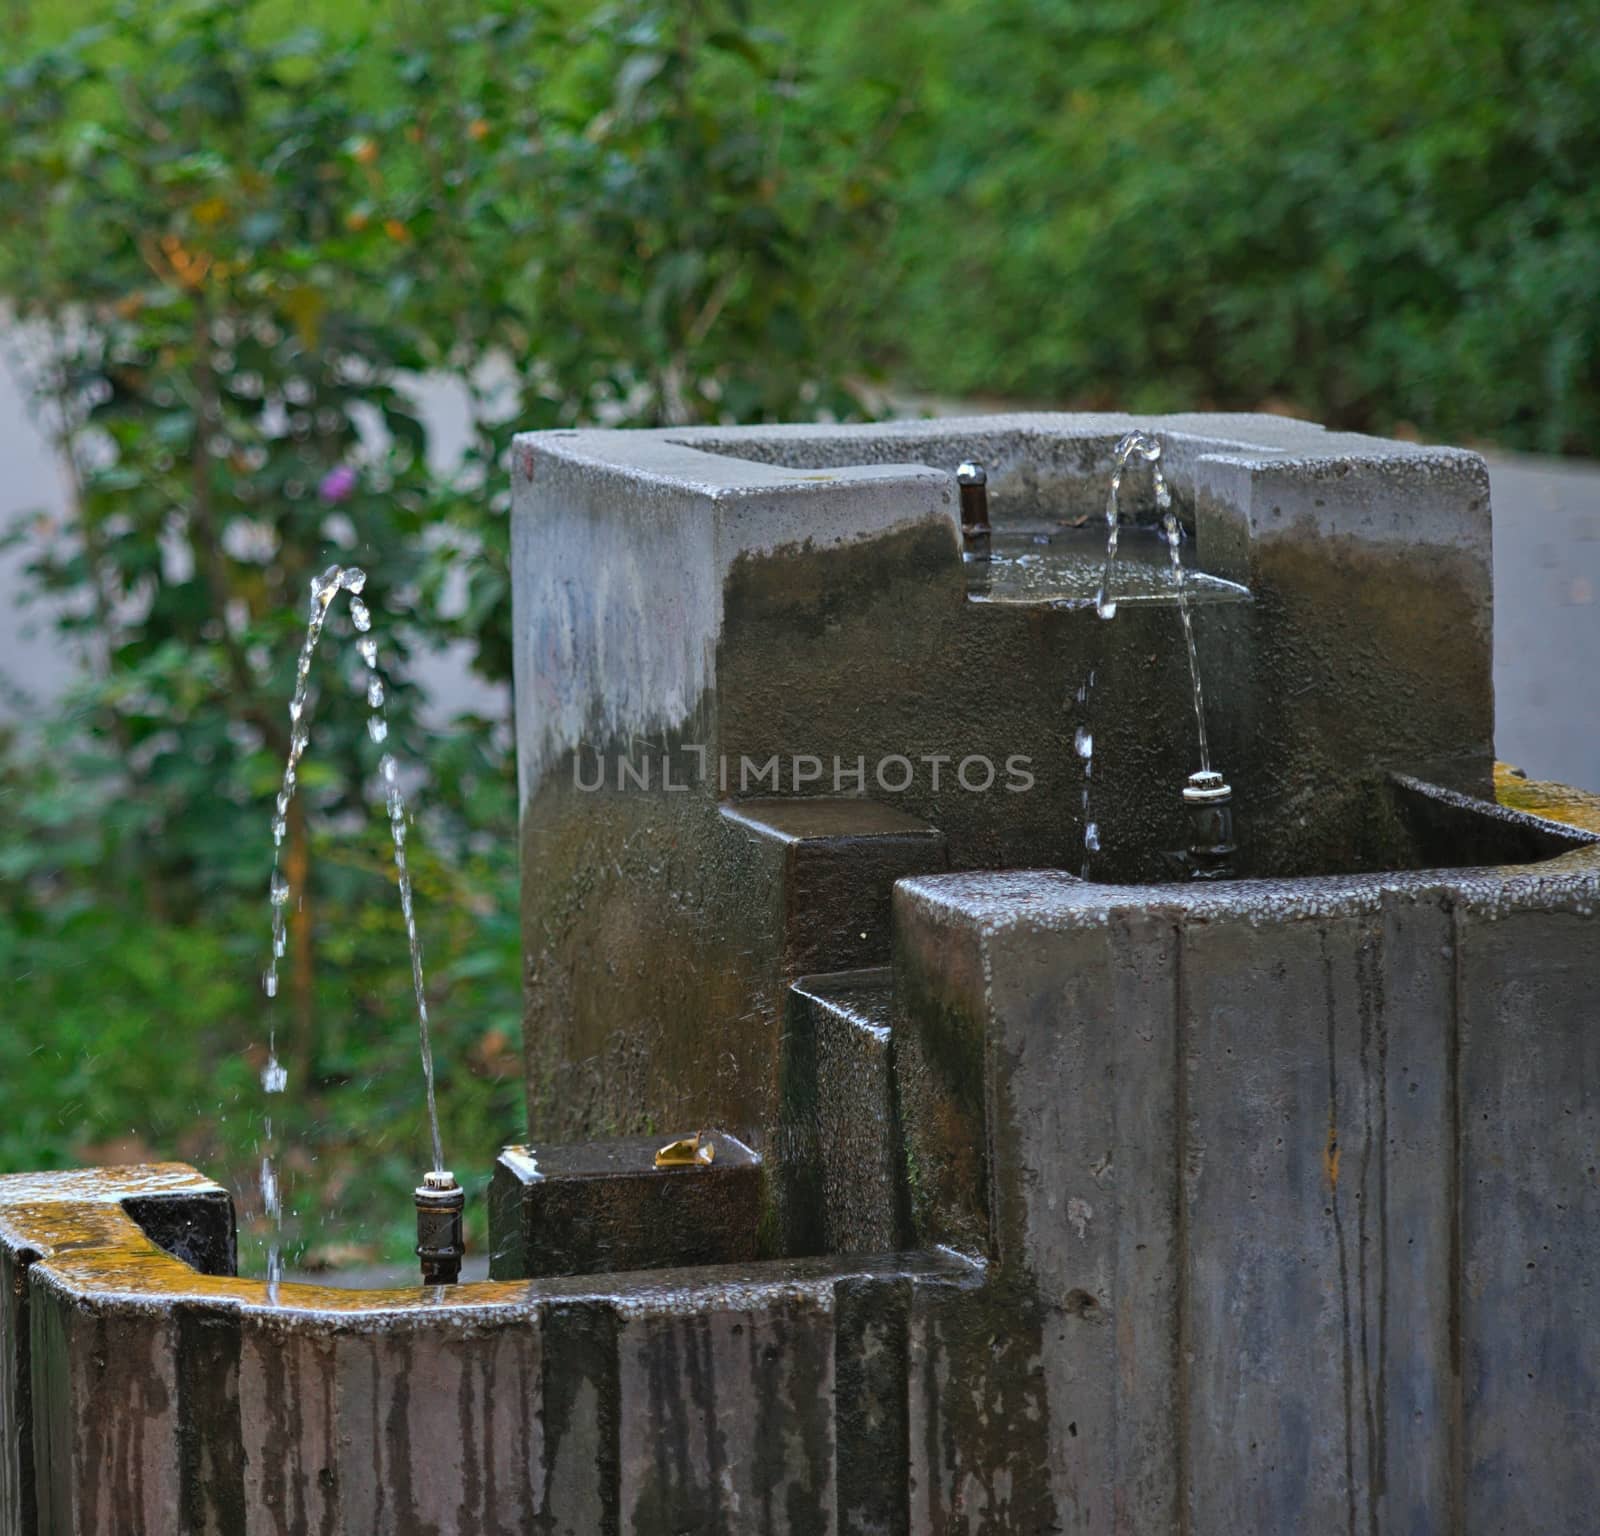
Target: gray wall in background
[33,660]
[1546,568]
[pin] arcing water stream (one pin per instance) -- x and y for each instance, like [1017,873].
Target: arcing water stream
[1148,448]
[1173,533]
[274,1076]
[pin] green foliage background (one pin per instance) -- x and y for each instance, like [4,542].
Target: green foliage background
[1377,214]
[238,227]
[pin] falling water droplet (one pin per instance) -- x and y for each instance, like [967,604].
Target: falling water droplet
[280,888]
[375,693]
[359,615]
[274,1076]
[368,647]
[377,727]
[353,579]
[1083,742]
[269,981]
[1091,837]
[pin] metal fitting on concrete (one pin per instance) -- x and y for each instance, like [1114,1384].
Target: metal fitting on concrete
[440,1241]
[1209,801]
[974,482]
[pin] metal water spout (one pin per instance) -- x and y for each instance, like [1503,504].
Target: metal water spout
[1209,802]
[973,481]
[441,1244]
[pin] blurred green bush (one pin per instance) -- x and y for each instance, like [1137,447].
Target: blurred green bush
[1377,214]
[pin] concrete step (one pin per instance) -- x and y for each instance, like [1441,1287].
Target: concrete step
[835,862]
[839,1139]
[603,1207]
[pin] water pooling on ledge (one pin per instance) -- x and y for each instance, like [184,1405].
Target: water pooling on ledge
[1063,569]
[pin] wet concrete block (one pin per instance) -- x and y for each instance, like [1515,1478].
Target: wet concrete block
[727,1418]
[840,1134]
[1284,1294]
[288,1392]
[196,1226]
[106,1430]
[1291,1189]
[18,1506]
[942,1079]
[603,1206]
[835,862]
[1086,1145]
[405,1428]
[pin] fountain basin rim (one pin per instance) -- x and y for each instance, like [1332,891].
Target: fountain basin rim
[74,1234]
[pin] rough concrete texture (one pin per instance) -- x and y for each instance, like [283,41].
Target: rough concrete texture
[602,1206]
[141,1396]
[795,596]
[841,859]
[1300,1176]
[690,911]
[839,1136]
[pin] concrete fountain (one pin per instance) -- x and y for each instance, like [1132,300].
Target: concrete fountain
[1002,1199]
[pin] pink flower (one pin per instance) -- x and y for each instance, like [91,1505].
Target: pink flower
[337,485]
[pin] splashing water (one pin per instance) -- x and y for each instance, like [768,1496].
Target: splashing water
[1173,534]
[1131,445]
[1083,745]
[274,1076]
[1144,446]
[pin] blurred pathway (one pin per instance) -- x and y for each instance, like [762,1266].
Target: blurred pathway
[1547,617]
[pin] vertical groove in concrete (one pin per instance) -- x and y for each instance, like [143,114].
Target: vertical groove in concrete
[1133,1181]
[1530,1119]
[1335,1155]
[1409,999]
[978,1412]
[726,1422]
[52,1411]
[420,1429]
[1181,1142]
[19,1511]
[871,1425]
[210,1434]
[1278,1111]
[1456,1430]
[288,1416]
[581,1418]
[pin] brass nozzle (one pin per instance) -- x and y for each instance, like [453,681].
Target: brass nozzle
[441,1244]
